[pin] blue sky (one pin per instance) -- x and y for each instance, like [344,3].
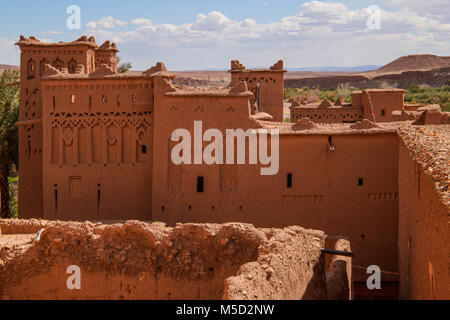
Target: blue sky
[207,34]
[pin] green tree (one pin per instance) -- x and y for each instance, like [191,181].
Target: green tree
[9,115]
[123,67]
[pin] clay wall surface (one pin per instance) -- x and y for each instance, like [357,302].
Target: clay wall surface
[271,89]
[325,194]
[98,156]
[328,115]
[382,103]
[424,237]
[136,260]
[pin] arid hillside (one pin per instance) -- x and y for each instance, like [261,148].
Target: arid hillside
[5,67]
[414,63]
[427,69]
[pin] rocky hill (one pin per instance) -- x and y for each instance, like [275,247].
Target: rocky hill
[403,72]
[415,63]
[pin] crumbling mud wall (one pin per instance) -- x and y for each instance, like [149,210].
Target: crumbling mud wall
[137,260]
[424,197]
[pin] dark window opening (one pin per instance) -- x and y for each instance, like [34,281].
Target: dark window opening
[289,180]
[144,149]
[330,143]
[54,103]
[56,198]
[98,197]
[360,181]
[383,112]
[200,184]
[189,208]
[363,237]
[163,209]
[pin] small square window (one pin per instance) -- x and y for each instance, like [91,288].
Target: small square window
[200,184]
[144,149]
[360,181]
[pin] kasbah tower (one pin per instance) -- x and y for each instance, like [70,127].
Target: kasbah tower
[96,145]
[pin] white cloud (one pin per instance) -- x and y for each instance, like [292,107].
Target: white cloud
[9,53]
[213,21]
[142,22]
[321,33]
[106,23]
[437,8]
[51,32]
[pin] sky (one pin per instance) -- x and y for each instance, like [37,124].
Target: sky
[207,34]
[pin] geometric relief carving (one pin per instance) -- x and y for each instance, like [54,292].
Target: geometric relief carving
[383,196]
[227,177]
[102,138]
[305,198]
[174,172]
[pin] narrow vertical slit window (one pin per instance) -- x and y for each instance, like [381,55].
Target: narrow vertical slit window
[289,180]
[98,197]
[56,198]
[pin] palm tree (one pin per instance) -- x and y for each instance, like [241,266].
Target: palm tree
[9,115]
[123,67]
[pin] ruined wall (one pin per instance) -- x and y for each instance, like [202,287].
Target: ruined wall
[136,260]
[98,156]
[424,237]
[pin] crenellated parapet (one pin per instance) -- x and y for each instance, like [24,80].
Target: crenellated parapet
[236,66]
[277,66]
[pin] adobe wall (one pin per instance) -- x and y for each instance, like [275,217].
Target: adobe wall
[328,115]
[325,193]
[271,90]
[424,237]
[270,93]
[99,137]
[137,260]
[381,103]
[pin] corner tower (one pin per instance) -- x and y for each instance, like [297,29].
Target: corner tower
[76,57]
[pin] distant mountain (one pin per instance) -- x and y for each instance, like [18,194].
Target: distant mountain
[369,67]
[6,67]
[416,62]
[313,69]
